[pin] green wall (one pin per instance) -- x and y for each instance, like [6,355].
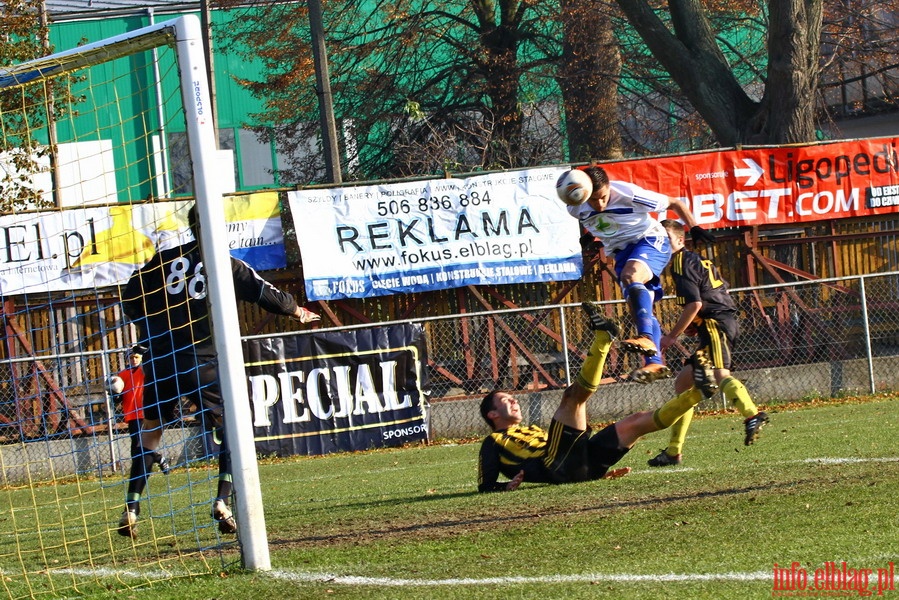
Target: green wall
[126,99]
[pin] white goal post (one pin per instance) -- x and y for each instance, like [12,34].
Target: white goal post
[185,35]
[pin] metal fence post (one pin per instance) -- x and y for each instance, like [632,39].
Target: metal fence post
[566,362]
[867,330]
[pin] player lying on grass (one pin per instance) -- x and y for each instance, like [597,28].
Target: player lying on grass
[567,453]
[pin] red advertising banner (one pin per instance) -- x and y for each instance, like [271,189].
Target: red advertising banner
[776,185]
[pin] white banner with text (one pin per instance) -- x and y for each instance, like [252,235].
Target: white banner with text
[100,246]
[427,235]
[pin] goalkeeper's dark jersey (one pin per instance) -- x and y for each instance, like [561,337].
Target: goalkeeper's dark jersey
[167,300]
[508,451]
[697,280]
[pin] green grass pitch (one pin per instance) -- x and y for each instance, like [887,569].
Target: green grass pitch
[819,487]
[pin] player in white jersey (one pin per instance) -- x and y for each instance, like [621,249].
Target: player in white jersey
[620,214]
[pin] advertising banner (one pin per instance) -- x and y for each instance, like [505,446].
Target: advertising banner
[338,391]
[101,246]
[255,233]
[510,227]
[429,235]
[777,185]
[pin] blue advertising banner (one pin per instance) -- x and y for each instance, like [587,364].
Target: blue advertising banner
[338,391]
[420,236]
[255,235]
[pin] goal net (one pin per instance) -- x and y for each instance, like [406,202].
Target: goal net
[105,148]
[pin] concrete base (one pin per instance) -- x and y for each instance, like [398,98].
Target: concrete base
[47,460]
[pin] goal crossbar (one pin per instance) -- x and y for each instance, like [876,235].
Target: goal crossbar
[139,40]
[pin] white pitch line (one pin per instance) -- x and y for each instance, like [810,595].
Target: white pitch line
[304,577]
[585,577]
[100,572]
[668,471]
[842,461]
[824,460]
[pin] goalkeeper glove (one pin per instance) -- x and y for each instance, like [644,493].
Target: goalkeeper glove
[304,315]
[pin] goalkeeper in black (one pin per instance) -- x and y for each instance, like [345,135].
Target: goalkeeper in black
[567,452]
[709,311]
[166,299]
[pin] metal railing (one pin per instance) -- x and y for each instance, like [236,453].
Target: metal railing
[821,338]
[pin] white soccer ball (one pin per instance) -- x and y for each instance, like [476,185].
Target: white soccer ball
[116,384]
[574,187]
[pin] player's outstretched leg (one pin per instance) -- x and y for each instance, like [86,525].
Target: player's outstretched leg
[604,329]
[672,454]
[640,301]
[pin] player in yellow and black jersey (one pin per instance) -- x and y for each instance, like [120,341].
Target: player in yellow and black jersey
[709,310]
[567,452]
[516,449]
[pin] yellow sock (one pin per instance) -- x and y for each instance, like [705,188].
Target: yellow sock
[679,433]
[737,394]
[672,410]
[591,371]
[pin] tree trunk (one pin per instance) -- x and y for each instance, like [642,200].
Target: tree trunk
[588,78]
[502,74]
[787,111]
[692,57]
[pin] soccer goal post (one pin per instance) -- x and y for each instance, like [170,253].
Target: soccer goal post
[104,148]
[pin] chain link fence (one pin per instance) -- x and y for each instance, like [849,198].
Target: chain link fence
[803,340]
[798,341]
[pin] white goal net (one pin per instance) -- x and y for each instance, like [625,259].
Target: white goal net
[105,147]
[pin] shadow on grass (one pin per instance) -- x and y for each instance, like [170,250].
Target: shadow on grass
[496,519]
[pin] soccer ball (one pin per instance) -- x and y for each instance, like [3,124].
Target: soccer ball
[574,187]
[116,384]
